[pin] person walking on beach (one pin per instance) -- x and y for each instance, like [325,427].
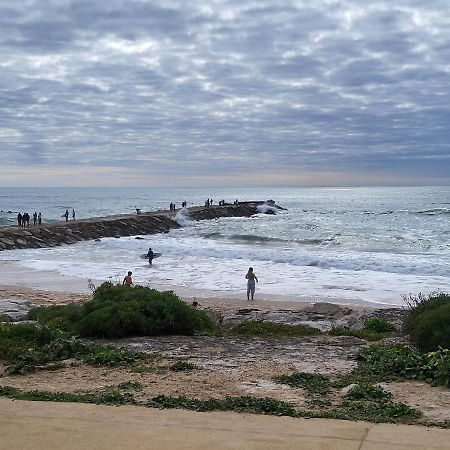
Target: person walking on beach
[150,255]
[128,281]
[251,277]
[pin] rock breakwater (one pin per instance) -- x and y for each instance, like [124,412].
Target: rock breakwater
[51,235]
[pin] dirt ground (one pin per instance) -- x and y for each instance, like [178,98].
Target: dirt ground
[228,366]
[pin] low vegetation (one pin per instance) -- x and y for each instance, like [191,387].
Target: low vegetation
[29,347]
[119,311]
[374,329]
[272,330]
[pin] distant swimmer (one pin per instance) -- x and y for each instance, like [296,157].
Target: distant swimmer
[251,277]
[150,255]
[128,281]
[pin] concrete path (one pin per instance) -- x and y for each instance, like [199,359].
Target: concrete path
[69,426]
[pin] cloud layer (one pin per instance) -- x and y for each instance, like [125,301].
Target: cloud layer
[191,89]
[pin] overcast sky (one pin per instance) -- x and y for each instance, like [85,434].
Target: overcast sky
[224,92]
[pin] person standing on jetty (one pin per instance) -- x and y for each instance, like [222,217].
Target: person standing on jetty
[251,277]
[39,218]
[66,215]
[35,218]
[19,219]
[73,214]
[128,281]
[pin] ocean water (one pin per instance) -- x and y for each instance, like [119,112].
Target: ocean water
[351,245]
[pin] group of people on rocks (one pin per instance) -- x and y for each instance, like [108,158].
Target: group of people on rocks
[66,215]
[208,202]
[172,206]
[23,220]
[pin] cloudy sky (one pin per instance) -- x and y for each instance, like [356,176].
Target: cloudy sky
[224,92]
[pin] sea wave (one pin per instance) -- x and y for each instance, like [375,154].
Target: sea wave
[434,211]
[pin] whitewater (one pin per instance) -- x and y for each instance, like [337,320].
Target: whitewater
[344,245]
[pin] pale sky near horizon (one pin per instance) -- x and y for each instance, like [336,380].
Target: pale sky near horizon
[225,92]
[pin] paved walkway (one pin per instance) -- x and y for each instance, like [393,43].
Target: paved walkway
[66,426]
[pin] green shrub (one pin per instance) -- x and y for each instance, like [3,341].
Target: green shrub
[430,329]
[120,311]
[427,321]
[272,329]
[378,325]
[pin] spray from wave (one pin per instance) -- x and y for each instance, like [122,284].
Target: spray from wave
[182,218]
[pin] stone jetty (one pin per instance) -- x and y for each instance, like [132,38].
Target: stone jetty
[58,233]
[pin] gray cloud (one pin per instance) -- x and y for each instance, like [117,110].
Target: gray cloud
[176,87]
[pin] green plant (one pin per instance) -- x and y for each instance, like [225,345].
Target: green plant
[119,311]
[439,364]
[5,318]
[272,329]
[108,355]
[313,383]
[130,386]
[182,366]
[365,391]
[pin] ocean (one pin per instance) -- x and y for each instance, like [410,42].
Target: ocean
[347,245]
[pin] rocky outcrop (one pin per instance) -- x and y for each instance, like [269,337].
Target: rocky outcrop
[51,235]
[323,316]
[243,209]
[15,308]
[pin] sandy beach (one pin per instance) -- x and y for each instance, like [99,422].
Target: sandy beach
[49,287]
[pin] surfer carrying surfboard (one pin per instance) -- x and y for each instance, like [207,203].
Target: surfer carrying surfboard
[150,255]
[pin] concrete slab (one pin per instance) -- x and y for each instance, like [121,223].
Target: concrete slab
[68,426]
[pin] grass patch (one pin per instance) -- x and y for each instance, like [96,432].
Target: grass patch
[110,397]
[130,386]
[108,355]
[272,329]
[313,383]
[5,318]
[119,311]
[368,392]
[239,404]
